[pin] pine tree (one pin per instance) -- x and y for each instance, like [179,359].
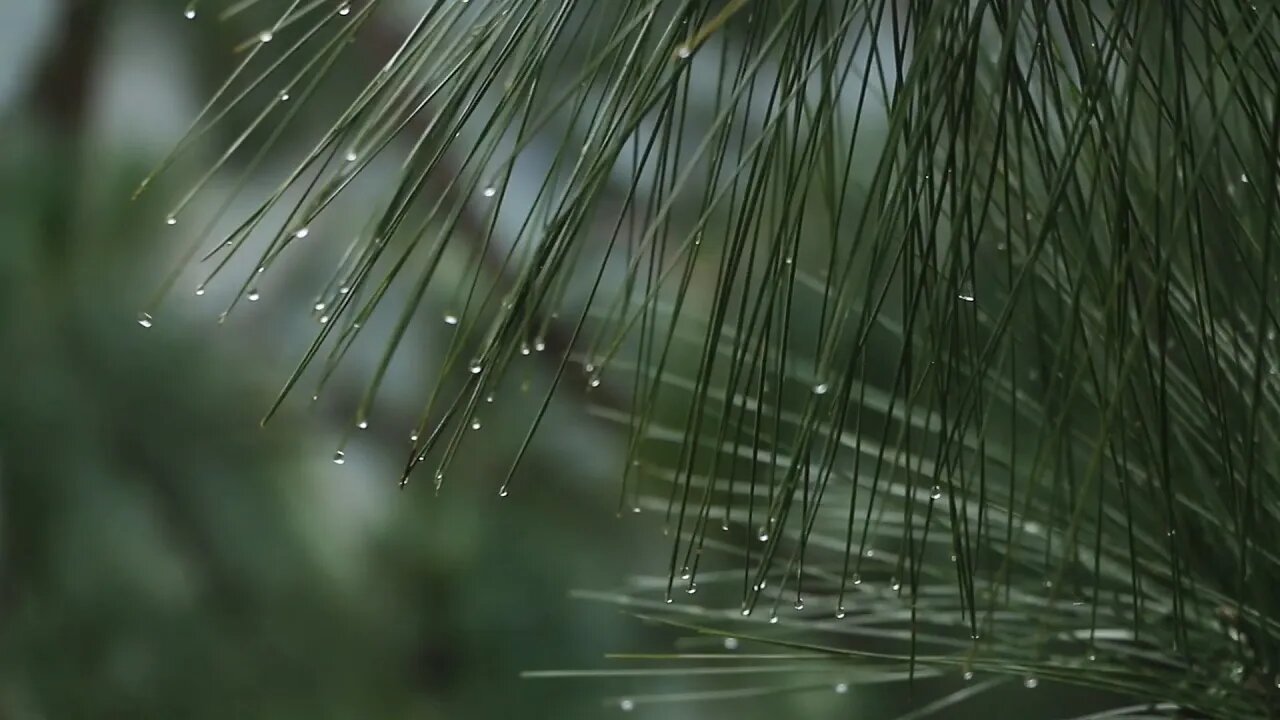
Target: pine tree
[942,335]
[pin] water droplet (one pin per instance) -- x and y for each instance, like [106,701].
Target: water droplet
[1093,657]
[870,553]
[302,233]
[840,613]
[324,320]
[524,349]
[693,588]
[344,9]
[594,382]
[626,704]
[171,220]
[319,306]
[968,675]
[413,436]
[821,389]
[489,191]
[254,296]
[894,584]
[363,424]
[199,291]
[503,492]
[476,368]
[339,458]
[488,398]
[683,52]
[539,345]
[1031,683]
[857,579]
[145,320]
[685,574]
[842,688]
[352,156]
[773,619]
[731,643]
[936,492]
[190,12]
[799,604]
[475,424]
[266,36]
[1244,178]
[746,611]
[450,319]
[965,297]
[764,535]
[284,96]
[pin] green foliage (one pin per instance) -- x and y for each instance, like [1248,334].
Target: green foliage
[950,325]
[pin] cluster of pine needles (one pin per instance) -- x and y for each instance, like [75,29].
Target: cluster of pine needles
[943,335]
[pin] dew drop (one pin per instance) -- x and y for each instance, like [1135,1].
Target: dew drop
[190,12]
[821,389]
[476,368]
[284,97]
[344,9]
[363,424]
[302,233]
[685,574]
[539,345]
[200,291]
[965,297]
[339,458]
[1031,683]
[352,156]
[842,688]
[731,643]
[773,619]
[683,52]
[595,382]
[894,584]
[799,604]
[475,424]
[488,398]
[968,675]
[319,306]
[936,492]
[524,349]
[693,588]
[324,320]
[764,535]
[171,220]
[266,36]
[450,319]
[1244,178]
[254,296]
[626,704]
[840,613]
[746,612]
[489,191]
[144,319]
[857,579]
[413,436]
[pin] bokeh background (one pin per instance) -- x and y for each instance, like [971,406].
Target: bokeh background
[163,556]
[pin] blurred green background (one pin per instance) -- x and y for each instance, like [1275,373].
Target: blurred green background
[161,555]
